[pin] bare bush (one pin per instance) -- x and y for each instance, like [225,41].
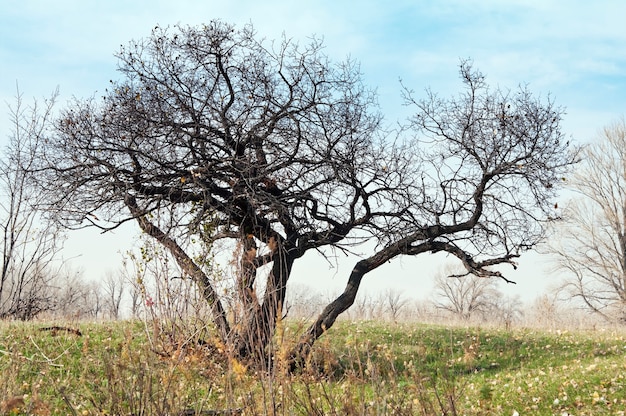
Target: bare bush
[76,298]
[506,311]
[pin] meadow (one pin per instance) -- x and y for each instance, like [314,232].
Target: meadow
[358,368]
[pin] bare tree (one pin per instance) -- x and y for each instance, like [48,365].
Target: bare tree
[590,245]
[75,297]
[113,287]
[395,302]
[546,312]
[30,244]
[465,295]
[303,301]
[214,135]
[93,300]
[361,305]
[507,310]
[133,279]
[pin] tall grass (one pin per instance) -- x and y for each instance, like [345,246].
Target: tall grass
[358,368]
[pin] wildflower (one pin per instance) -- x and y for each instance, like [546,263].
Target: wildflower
[596,397]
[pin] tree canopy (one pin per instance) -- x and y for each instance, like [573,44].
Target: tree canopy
[214,134]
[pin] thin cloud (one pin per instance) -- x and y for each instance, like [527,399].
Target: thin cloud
[572,49]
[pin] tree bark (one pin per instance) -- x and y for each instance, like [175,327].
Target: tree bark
[258,329]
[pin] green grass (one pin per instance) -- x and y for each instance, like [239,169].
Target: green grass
[357,368]
[528,371]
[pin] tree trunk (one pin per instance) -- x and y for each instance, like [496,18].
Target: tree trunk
[300,353]
[259,325]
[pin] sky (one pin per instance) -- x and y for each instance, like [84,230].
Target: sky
[574,51]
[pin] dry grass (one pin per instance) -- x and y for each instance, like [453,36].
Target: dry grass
[363,368]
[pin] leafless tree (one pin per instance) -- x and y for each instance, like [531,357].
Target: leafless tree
[30,244]
[507,310]
[394,302]
[546,312]
[113,288]
[590,246]
[361,305]
[132,280]
[93,300]
[465,295]
[136,276]
[76,298]
[212,135]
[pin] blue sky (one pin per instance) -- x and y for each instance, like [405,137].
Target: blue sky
[574,50]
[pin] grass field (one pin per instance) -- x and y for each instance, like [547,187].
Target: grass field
[363,368]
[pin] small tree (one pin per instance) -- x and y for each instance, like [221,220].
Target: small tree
[590,246]
[362,306]
[214,135]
